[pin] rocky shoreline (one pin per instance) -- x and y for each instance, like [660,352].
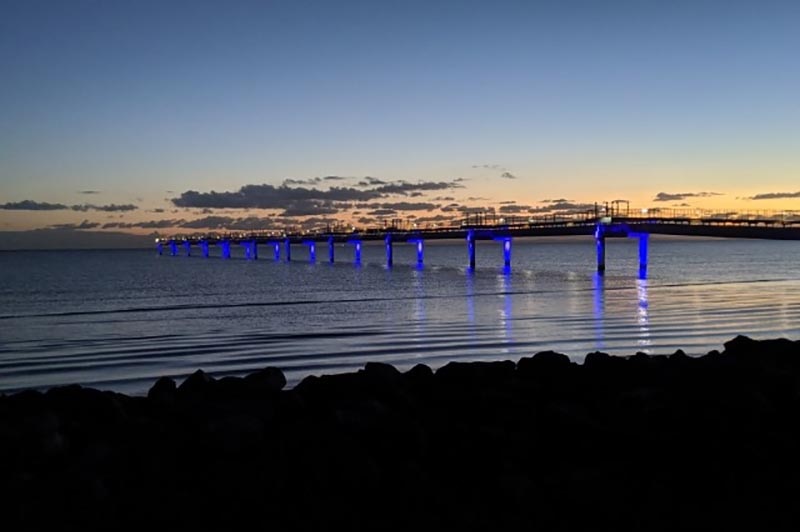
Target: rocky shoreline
[638,443]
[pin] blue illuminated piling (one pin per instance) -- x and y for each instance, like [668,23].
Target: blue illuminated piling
[643,244]
[507,252]
[330,249]
[471,248]
[173,248]
[250,249]
[187,245]
[204,247]
[600,240]
[225,245]
[420,243]
[357,251]
[277,251]
[287,244]
[389,252]
[159,248]
[312,250]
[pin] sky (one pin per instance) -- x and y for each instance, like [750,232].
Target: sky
[125,116]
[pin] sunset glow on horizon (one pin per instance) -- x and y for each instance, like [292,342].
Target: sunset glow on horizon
[125,117]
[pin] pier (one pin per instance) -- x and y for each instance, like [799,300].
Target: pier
[600,225]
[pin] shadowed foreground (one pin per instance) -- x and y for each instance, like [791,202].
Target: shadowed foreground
[643,443]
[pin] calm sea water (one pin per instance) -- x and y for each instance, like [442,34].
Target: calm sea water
[120,319]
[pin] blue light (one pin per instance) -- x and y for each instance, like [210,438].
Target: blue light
[312,252]
[507,253]
[160,248]
[471,248]
[420,252]
[287,244]
[599,309]
[389,254]
[330,249]
[225,245]
[600,240]
[356,251]
[204,247]
[173,248]
[277,251]
[643,241]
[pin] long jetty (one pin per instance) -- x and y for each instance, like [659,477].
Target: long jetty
[639,224]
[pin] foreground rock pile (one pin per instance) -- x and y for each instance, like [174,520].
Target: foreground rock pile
[639,443]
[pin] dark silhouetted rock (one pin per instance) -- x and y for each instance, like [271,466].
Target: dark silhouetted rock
[163,391]
[268,379]
[654,443]
[198,384]
[544,363]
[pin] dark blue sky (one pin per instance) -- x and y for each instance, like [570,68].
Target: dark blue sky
[573,97]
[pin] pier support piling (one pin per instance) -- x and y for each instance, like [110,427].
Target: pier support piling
[389,252]
[287,244]
[187,245]
[420,245]
[225,245]
[600,241]
[357,251]
[173,248]
[507,252]
[643,245]
[312,250]
[159,248]
[330,249]
[471,248]
[204,247]
[277,250]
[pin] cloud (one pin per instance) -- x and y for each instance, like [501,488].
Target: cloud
[774,195]
[559,200]
[513,209]
[29,205]
[312,181]
[371,182]
[452,207]
[268,197]
[510,202]
[508,175]
[490,167]
[84,225]
[289,197]
[563,207]
[678,196]
[404,187]
[406,206]
[309,208]
[333,178]
[383,212]
[104,208]
[88,192]
[151,224]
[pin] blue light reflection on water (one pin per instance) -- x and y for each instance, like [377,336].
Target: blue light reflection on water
[120,319]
